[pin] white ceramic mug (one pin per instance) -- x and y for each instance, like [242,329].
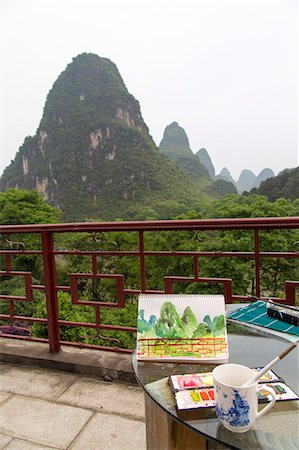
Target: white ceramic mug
[237,406]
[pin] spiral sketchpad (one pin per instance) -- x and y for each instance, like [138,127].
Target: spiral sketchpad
[256,314]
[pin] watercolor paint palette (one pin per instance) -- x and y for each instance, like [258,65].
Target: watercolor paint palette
[191,381]
[205,397]
[205,380]
[195,398]
[193,391]
[282,391]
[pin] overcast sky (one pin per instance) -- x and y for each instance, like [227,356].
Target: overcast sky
[225,70]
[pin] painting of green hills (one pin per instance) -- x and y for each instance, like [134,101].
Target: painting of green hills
[181,327]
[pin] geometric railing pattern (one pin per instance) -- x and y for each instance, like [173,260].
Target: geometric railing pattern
[48,254]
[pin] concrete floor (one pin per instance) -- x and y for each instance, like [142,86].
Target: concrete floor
[45,409]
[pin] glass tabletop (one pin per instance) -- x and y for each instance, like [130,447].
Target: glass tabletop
[253,347]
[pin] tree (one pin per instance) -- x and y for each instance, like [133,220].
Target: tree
[273,271]
[221,187]
[20,207]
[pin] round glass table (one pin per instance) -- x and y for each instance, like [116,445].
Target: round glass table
[168,428]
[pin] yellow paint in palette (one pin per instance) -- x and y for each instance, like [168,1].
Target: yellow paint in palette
[195,396]
[207,380]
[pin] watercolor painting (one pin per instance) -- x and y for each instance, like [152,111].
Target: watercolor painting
[181,327]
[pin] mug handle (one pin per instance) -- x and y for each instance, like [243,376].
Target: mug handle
[272,401]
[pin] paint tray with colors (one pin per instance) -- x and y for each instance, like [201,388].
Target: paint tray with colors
[195,390]
[205,379]
[195,398]
[205,397]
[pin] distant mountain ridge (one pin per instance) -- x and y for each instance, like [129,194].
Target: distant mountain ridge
[263,175]
[247,179]
[225,175]
[175,145]
[205,159]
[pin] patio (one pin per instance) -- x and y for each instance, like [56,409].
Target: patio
[41,409]
[64,394]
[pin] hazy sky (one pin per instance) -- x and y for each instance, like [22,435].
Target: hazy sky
[225,70]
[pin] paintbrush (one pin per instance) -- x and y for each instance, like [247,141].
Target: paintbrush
[268,366]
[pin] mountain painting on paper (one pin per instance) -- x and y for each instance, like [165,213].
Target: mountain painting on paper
[182,328]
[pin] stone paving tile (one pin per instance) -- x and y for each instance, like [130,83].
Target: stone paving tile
[109,432]
[105,396]
[4,367]
[3,396]
[4,440]
[42,422]
[17,444]
[35,382]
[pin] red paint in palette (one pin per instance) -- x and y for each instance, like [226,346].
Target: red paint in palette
[212,394]
[204,395]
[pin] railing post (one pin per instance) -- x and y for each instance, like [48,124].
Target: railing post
[290,292]
[257,262]
[50,290]
[142,261]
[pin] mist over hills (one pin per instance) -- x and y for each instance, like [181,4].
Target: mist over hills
[199,166]
[247,179]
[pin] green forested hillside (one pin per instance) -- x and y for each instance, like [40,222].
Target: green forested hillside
[284,185]
[221,187]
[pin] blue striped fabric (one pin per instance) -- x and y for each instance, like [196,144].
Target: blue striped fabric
[256,314]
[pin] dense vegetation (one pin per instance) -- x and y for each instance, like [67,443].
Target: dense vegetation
[21,207]
[273,271]
[221,187]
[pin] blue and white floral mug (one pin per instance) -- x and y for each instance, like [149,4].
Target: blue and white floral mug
[237,406]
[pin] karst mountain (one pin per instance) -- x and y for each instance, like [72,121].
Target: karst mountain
[175,145]
[92,155]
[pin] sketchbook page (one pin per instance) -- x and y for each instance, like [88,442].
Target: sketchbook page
[182,328]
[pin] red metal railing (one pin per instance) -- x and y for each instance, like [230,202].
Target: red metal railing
[49,253]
